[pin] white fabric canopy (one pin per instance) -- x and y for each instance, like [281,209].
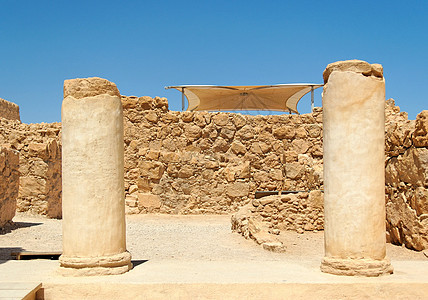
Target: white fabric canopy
[280,97]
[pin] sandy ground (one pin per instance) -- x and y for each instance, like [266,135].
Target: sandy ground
[198,257]
[171,237]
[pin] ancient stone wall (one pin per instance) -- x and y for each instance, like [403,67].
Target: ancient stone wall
[39,164]
[406,154]
[200,162]
[263,218]
[9,110]
[9,184]
[407,178]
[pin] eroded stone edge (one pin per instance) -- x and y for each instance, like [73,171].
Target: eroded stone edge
[357,66]
[356,267]
[110,261]
[80,88]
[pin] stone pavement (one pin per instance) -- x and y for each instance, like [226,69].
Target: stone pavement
[197,257]
[155,279]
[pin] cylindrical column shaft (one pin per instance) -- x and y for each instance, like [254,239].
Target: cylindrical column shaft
[92,179]
[354,168]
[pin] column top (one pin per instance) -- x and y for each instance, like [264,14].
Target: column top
[355,65]
[89,87]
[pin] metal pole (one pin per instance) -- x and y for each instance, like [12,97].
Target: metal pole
[312,98]
[182,99]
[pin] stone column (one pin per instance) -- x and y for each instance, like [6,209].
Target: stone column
[354,169]
[92,179]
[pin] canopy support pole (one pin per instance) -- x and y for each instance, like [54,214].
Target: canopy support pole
[312,98]
[182,99]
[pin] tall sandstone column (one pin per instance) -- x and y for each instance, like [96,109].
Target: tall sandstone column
[92,179]
[354,169]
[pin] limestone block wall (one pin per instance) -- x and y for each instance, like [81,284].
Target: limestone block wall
[39,164]
[200,162]
[9,110]
[299,212]
[407,179]
[9,184]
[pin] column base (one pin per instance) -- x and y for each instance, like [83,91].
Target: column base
[356,267]
[95,266]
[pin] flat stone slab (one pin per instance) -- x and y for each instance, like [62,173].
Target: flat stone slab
[293,291]
[19,290]
[198,256]
[155,279]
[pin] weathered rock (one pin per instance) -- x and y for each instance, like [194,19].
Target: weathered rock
[88,87]
[131,201]
[404,225]
[284,132]
[420,135]
[406,178]
[185,172]
[294,170]
[316,199]
[237,189]
[221,119]
[31,187]
[192,132]
[355,66]
[276,246]
[419,201]
[148,201]
[411,168]
[227,133]
[246,133]
[54,180]
[9,184]
[238,148]
[220,145]
[38,150]
[151,117]
[9,110]
[239,120]
[300,146]
[151,169]
[264,218]
[170,117]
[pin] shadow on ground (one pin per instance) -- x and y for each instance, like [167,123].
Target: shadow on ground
[137,262]
[9,227]
[6,253]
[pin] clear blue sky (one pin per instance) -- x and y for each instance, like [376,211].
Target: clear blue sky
[143,46]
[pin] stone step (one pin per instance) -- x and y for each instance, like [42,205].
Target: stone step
[19,290]
[253,290]
[26,255]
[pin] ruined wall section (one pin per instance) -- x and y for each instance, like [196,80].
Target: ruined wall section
[180,162]
[39,165]
[9,184]
[200,162]
[212,163]
[406,161]
[9,110]
[407,178]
